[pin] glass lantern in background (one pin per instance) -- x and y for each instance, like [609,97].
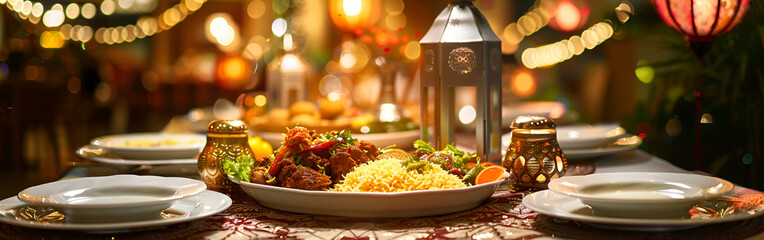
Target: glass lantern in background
[534,157]
[286,77]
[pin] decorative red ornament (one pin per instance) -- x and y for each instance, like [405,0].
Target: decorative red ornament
[702,20]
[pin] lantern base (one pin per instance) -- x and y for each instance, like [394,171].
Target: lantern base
[527,188]
[700,48]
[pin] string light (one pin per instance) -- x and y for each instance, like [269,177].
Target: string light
[532,21]
[558,52]
[554,53]
[57,14]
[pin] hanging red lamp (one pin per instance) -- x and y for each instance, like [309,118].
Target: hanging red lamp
[701,20]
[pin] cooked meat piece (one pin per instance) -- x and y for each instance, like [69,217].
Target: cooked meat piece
[259,176]
[324,153]
[308,179]
[313,161]
[263,162]
[287,169]
[359,156]
[369,148]
[339,165]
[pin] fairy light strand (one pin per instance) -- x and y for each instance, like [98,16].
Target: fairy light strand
[554,53]
[55,17]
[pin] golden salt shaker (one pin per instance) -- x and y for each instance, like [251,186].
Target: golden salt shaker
[226,139]
[534,157]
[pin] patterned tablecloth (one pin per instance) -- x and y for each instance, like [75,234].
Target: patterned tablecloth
[501,217]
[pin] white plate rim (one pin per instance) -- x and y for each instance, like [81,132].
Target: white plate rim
[363,194]
[84,153]
[726,185]
[399,198]
[184,187]
[98,141]
[597,152]
[544,196]
[591,134]
[217,202]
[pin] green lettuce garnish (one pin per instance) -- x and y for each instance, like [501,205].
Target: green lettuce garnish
[422,145]
[240,168]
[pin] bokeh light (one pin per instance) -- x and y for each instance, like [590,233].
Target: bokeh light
[643,130]
[72,11]
[706,118]
[467,114]
[523,84]
[108,7]
[279,27]
[54,17]
[747,158]
[352,7]
[37,10]
[256,9]
[673,127]
[644,72]
[52,39]
[412,50]
[88,10]
[260,100]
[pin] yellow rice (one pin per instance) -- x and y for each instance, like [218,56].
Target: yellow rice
[389,175]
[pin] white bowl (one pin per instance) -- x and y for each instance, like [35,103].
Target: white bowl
[371,204]
[117,198]
[640,194]
[587,136]
[152,145]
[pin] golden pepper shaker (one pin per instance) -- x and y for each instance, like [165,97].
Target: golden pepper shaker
[534,157]
[225,139]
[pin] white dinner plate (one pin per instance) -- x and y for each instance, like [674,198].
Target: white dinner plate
[587,136]
[187,209]
[640,194]
[625,143]
[557,205]
[153,145]
[101,155]
[404,139]
[112,198]
[371,204]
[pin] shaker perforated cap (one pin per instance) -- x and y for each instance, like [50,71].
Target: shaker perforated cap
[227,127]
[533,122]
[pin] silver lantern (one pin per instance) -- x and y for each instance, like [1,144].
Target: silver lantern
[461,50]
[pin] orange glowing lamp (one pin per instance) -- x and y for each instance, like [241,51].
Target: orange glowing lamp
[349,15]
[231,72]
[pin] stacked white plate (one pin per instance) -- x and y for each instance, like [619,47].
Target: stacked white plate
[152,148]
[589,141]
[112,203]
[639,200]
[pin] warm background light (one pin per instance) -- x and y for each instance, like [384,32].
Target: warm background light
[570,15]
[352,7]
[523,84]
[349,15]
